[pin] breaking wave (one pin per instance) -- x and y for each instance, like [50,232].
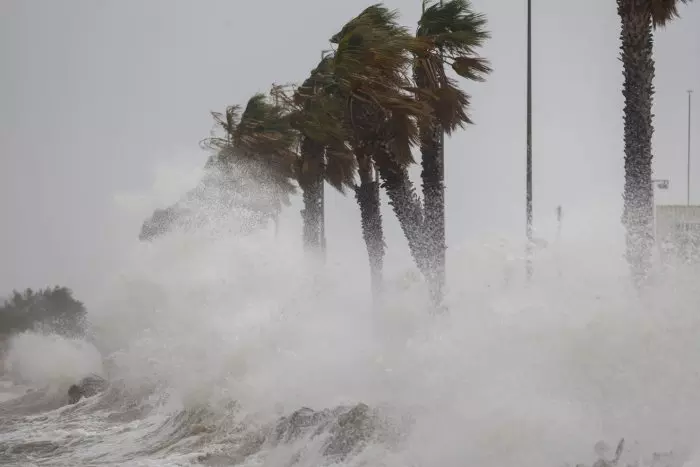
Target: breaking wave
[223,348]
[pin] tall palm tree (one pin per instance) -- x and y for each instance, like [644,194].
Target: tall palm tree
[322,119]
[257,146]
[324,155]
[451,31]
[639,18]
[372,70]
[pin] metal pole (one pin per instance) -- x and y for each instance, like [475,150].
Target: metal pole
[528,168]
[441,261]
[690,94]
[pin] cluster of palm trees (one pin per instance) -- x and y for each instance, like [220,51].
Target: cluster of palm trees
[383,91]
[354,121]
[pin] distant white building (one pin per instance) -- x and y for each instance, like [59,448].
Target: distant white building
[678,231]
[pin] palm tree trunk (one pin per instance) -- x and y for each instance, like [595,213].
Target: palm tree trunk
[407,207]
[638,70]
[433,162]
[434,200]
[311,182]
[367,195]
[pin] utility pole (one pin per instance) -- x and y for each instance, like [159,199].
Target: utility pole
[528,160]
[441,261]
[690,101]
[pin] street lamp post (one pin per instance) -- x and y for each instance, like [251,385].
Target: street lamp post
[528,156]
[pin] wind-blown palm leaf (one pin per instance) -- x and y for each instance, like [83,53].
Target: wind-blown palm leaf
[376,16]
[372,67]
[227,121]
[453,27]
[451,32]
[663,11]
[316,112]
[258,145]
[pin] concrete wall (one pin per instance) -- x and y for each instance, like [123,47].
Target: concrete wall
[678,231]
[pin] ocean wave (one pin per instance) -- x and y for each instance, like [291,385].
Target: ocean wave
[236,350]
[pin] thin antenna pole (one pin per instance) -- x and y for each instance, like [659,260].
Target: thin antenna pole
[528,160]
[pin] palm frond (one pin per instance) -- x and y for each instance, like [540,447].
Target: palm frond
[452,32]
[471,68]
[374,16]
[257,146]
[451,104]
[664,11]
[454,27]
[341,166]
[316,112]
[403,132]
[265,130]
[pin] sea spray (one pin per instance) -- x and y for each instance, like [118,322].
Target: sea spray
[212,339]
[44,359]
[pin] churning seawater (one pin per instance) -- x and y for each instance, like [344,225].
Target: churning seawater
[229,349]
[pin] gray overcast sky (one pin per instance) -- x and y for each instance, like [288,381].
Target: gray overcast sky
[97,96]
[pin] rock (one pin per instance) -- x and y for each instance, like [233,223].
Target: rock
[220,460]
[198,429]
[87,387]
[299,423]
[348,428]
[351,430]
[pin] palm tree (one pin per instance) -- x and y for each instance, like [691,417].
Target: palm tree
[372,71]
[324,155]
[311,181]
[257,151]
[321,117]
[451,31]
[639,18]
[367,196]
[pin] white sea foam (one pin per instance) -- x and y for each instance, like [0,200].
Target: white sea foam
[514,374]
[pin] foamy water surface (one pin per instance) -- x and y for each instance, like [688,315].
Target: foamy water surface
[213,342]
